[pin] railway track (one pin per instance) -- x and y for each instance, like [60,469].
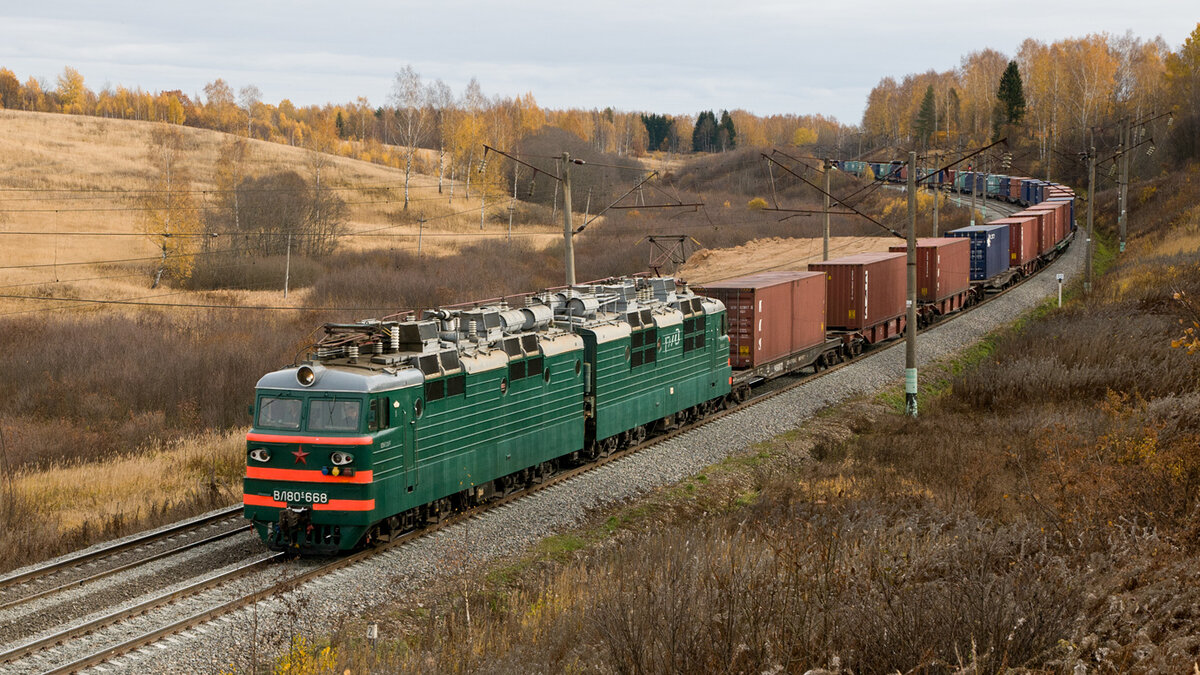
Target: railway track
[266,576]
[99,562]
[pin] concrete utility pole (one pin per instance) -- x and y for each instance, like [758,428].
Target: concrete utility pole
[1087,250]
[828,167]
[287,267]
[568,246]
[910,331]
[1123,181]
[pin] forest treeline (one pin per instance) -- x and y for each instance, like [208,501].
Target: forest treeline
[418,113]
[1075,92]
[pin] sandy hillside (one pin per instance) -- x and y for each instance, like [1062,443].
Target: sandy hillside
[772,254]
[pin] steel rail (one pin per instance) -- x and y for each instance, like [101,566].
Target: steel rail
[127,566]
[139,540]
[27,648]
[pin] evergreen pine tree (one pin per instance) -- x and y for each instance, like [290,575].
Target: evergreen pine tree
[726,134]
[704,135]
[1010,95]
[926,117]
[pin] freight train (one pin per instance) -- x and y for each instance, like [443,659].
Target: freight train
[397,422]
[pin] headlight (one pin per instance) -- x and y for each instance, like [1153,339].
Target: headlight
[341,458]
[260,454]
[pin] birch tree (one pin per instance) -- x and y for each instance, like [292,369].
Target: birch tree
[413,112]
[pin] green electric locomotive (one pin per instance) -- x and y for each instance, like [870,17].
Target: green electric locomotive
[391,424]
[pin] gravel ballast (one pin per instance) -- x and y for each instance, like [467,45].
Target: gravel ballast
[254,635]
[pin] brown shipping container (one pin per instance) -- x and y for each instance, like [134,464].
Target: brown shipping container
[1014,188]
[1046,226]
[770,314]
[943,266]
[1062,213]
[863,290]
[1064,220]
[1022,238]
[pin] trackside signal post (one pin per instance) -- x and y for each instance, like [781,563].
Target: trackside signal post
[910,330]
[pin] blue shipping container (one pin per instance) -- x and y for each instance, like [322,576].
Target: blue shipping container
[1027,192]
[989,249]
[964,181]
[1037,192]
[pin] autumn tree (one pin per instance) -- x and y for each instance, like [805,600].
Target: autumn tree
[220,111]
[441,98]
[230,171]
[10,89]
[1041,77]
[804,136]
[413,113]
[171,218]
[468,135]
[1091,69]
[1182,78]
[250,97]
[980,74]
[72,93]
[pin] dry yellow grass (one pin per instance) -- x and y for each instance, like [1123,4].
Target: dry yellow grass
[133,486]
[98,162]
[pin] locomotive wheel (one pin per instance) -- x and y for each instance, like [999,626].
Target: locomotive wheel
[608,446]
[639,435]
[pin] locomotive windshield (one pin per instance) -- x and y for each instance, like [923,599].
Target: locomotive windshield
[333,414]
[279,413]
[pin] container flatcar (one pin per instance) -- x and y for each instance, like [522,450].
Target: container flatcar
[943,274]
[864,294]
[989,249]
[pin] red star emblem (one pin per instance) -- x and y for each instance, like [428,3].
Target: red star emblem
[301,456]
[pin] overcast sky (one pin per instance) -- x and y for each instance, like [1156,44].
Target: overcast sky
[654,55]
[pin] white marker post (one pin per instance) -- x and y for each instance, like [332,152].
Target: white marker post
[1059,278]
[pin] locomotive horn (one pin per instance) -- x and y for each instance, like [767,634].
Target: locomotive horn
[307,375]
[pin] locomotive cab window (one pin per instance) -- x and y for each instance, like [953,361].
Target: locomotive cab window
[334,414]
[378,414]
[279,413]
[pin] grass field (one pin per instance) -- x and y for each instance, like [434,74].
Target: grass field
[70,174]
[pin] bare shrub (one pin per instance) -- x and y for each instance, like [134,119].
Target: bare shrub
[251,273]
[96,385]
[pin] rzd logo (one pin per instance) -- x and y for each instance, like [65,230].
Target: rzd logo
[670,340]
